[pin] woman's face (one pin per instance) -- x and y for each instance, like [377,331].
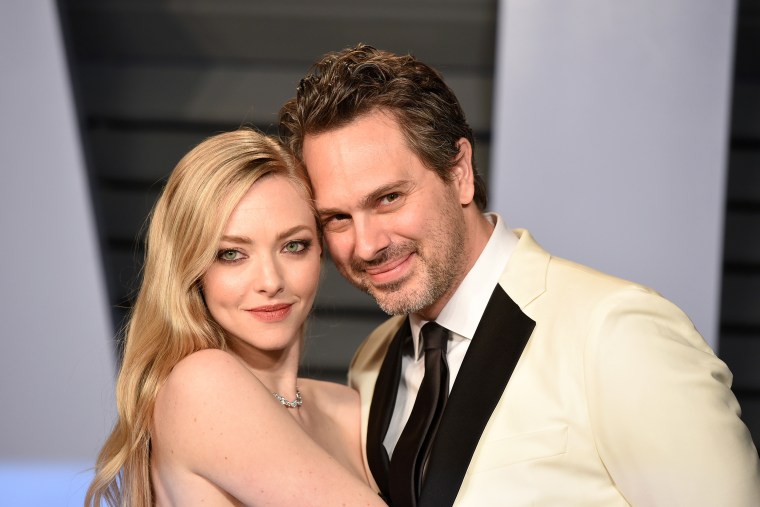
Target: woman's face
[262,283]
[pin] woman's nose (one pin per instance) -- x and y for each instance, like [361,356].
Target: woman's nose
[268,278]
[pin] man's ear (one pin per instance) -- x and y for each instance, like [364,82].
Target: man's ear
[462,173]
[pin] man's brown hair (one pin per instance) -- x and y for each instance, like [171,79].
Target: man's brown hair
[347,84]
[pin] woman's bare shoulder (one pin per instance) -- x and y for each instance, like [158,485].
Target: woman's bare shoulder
[201,372]
[205,361]
[200,384]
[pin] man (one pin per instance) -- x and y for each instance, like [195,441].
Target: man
[542,382]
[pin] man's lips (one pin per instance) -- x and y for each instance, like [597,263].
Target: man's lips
[271,313]
[388,270]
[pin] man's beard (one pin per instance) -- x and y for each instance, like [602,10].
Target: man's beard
[432,278]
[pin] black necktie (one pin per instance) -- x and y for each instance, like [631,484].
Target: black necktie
[408,461]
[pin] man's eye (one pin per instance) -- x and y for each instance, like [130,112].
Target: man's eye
[389,198]
[335,219]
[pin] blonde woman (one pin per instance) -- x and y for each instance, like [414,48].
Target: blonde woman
[210,409]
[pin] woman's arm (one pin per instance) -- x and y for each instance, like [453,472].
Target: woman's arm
[214,418]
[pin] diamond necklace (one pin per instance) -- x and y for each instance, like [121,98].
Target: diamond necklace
[290,404]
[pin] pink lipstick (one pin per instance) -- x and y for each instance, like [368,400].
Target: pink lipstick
[271,313]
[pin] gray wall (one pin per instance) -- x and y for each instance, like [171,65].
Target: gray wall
[610,138]
[56,364]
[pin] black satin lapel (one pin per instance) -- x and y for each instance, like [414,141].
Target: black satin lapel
[491,358]
[381,408]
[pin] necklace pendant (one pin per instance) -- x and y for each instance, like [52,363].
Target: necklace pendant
[290,404]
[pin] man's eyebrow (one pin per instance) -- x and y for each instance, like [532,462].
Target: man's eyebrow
[368,200]
[378,193]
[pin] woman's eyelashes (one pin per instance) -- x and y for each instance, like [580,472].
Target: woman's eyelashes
[229,255]
[297,246]
[294,247]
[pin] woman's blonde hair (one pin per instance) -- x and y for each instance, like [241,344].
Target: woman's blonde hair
[169,320]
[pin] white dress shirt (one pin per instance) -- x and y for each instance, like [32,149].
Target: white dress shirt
[460,316]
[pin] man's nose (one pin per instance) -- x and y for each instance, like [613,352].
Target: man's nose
[371,237]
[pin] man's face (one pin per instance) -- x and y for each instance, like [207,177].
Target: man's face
[394,228]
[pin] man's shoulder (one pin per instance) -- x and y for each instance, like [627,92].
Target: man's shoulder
[371,352]
[530,259]
[380,338]
[388,328]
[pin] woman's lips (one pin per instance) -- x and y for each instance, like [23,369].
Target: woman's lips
[271,313]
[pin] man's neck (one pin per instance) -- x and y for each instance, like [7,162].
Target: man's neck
[478,231]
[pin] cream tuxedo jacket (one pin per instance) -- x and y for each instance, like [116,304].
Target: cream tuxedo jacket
[578,389]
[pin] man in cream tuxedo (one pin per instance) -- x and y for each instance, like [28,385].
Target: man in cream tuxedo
[557,385]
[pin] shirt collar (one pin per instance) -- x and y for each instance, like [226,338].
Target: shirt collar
[463,311]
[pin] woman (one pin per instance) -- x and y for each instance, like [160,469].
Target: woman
[210,407]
